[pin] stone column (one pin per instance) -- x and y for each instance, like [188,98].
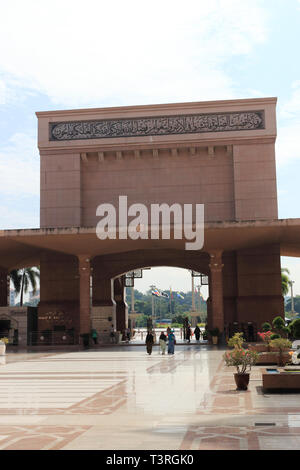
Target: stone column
[121,305]
[216,294]
[4,287]
[84,293]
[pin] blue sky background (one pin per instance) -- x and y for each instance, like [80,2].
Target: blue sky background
[68,54]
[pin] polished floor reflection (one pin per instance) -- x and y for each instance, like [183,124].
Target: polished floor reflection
[121,398]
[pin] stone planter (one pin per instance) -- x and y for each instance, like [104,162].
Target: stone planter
[215,340]
[2,349]
[258,348]
[271,358]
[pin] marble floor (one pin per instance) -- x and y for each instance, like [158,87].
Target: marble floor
[121,399]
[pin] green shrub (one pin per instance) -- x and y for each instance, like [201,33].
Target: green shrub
[281,344]
[266,327]
[275,336]
[278,323]
[286,330]
[236,341]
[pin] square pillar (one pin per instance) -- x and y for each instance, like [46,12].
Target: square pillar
[59,286]
[84,294]
[4,287]
[259,285]
[121,305]
[216,290]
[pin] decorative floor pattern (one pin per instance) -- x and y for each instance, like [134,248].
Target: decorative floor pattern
[38,437]
[241,438]
[125,399]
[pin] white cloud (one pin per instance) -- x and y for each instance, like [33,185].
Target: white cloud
[19,166]
[11,218]
[3,92]
[291,109]
[287,147]
[97,52]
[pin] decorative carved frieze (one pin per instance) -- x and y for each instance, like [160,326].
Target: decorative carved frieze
[164,125]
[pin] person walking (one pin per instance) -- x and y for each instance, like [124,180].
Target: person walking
[94,335]
[171,342]
[188,334]
[149,342]
[197,333]
[112,334]
[163,342]
[127,335]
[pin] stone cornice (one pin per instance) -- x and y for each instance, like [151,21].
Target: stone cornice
[169,108]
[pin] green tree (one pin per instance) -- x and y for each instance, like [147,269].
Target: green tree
[23,279]
[285,281]
[288,304]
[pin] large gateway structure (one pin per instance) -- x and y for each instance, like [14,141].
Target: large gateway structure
[220,154]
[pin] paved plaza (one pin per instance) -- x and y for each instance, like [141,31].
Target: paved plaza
[121,398]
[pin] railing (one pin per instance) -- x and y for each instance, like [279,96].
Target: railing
[51,338]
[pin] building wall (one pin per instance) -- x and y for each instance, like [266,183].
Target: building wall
[255,191]
[60,201]
[232,186]
[231,172]
[183,179]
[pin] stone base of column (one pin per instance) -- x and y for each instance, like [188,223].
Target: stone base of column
[58,313]
[102,317]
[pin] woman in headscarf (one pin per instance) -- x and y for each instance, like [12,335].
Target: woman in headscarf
[149,342]
[163,342]
[197,332]
[171,342]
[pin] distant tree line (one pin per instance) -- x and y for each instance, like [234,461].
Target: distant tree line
[175,309]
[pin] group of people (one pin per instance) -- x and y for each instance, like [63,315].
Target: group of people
[189,333]
[164,339]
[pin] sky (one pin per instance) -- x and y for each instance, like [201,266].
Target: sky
[67,54]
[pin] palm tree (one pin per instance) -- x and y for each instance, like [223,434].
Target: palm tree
[285,281]
[22,279]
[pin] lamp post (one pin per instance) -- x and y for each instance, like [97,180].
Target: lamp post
[132,299]
[153,305]
[292,298]
[193,294]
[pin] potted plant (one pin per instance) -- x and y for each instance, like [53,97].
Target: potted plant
[242,359]
[3,343]
[214,333]
[281,344]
